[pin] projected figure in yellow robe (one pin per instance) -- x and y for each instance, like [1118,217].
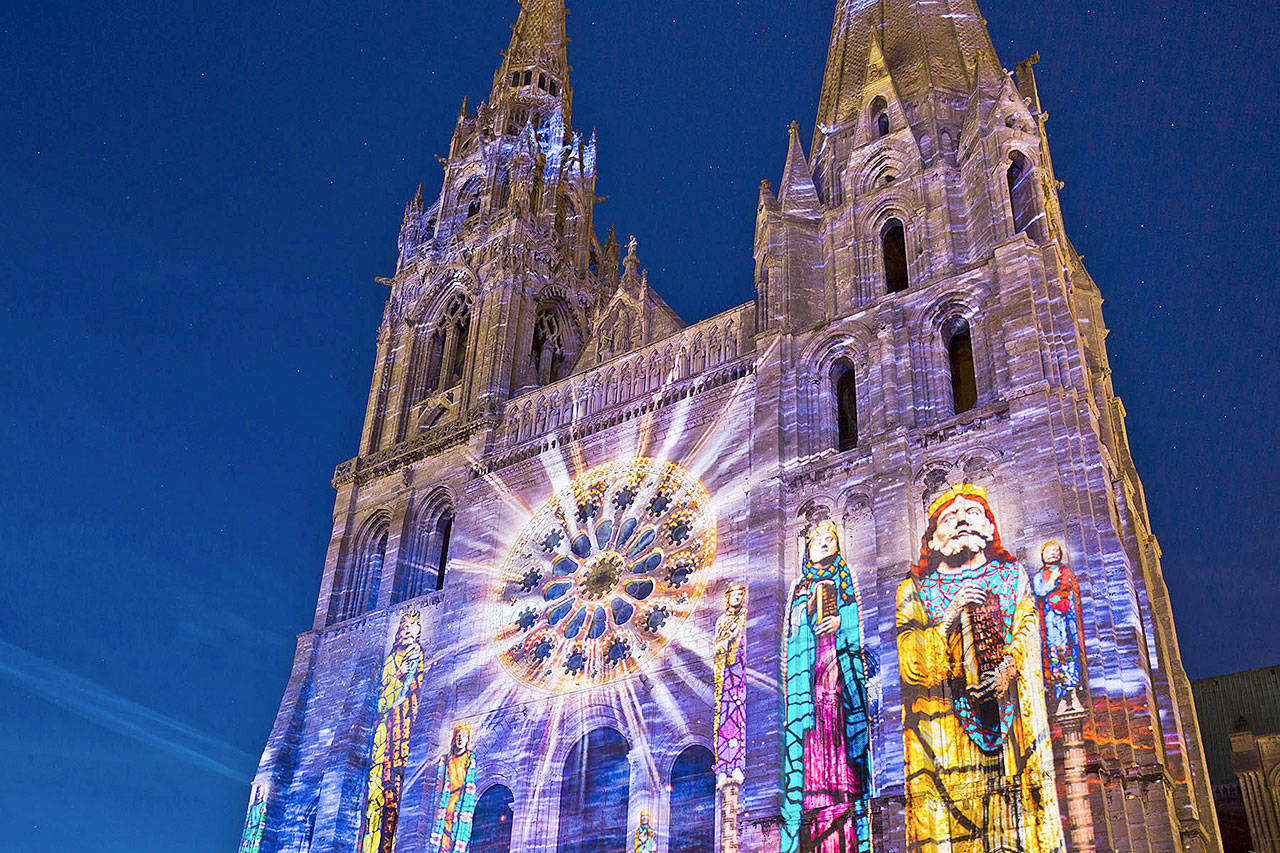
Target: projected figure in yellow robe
[456,796]
[397,710]
[979,769]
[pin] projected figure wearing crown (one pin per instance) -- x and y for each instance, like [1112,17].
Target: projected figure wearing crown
[827,760]
[397,709]
[978,764]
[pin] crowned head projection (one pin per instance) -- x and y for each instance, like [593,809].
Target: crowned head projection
[978,765]
[603,573]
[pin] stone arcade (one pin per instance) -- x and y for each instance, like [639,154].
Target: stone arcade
[861,564]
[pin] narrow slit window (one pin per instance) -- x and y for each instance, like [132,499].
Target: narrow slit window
[964,381]
[893,244]
[844,388]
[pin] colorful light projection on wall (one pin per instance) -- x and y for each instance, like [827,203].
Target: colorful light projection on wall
[455,795]
[978,768]
[603,573]
[646,839]
[826,727]
[1061,627]
[397,710]
[730,676]
[255,821]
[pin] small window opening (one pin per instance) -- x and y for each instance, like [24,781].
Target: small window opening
[542,82]
[554,88]
[893,243]
[515,78]
[444,531]
[964,382]
[880,116]
[844,387]
[1022,197]
[528,77]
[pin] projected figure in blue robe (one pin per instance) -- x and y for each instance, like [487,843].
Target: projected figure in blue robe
[826,736]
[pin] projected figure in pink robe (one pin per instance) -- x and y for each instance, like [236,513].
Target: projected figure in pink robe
[731,688]
[826,786]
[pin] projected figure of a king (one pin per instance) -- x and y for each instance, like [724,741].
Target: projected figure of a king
[979,769]
[397,710]
[826,768]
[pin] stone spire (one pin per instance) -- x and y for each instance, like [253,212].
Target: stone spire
[927,48]
[538,53]
[797,194]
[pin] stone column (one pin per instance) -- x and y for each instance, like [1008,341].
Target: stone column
[1079,815]
[729,816]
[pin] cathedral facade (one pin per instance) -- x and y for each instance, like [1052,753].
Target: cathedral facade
[862,564]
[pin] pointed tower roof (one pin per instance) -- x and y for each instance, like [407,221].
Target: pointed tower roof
[927,48]
[797,194]
[538,40]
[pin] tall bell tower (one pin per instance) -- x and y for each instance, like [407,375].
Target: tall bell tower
[914,268]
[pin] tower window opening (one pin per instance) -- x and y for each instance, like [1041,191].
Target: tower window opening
[893,245]
[554,88]
[515,78]
[365,576]
[547,351]
[880,116]
[528,77]
[964,382]
[1022,197]
[542,82]
[444,532]
[844,387]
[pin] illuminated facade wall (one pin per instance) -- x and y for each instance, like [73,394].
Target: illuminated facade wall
[860,565]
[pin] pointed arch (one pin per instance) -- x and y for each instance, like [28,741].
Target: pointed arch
[492,821]
[893,253]
[362,574]
[844,391]
[595,794]
[1025,207]
[693,802]
[425,555]
[957,338]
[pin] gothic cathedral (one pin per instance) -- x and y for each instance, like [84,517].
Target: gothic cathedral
[860,565]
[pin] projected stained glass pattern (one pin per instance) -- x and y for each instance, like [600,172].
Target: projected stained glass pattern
[603,574]
[255,821]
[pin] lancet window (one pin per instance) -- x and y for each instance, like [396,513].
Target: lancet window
[447,358]
[964,383]
[1022,197]
[491,826]
[547,351]
[844,388]
[893,248]
[425,555]
[693,802]
[880,116]
[595,795]
[363,576]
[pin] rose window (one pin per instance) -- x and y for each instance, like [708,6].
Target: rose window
[603,574]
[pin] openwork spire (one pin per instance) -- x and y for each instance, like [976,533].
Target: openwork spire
[539,50]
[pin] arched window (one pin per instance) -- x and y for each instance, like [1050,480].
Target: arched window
[844,388]
[360,593]
[469,199]
[447,355]
[693,802]
[880,116]
[547,350]
[491,824]
[1022,197]
[893,245]
[964,382]
[595,795]
[424,556]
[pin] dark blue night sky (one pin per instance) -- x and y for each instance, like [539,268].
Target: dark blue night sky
[197,197]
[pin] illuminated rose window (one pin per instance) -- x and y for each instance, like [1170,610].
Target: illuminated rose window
[603,574]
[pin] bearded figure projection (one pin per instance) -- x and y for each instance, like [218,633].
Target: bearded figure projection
[456,801]
[397,710]
[826,737]
[1061,627]
[979,769]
